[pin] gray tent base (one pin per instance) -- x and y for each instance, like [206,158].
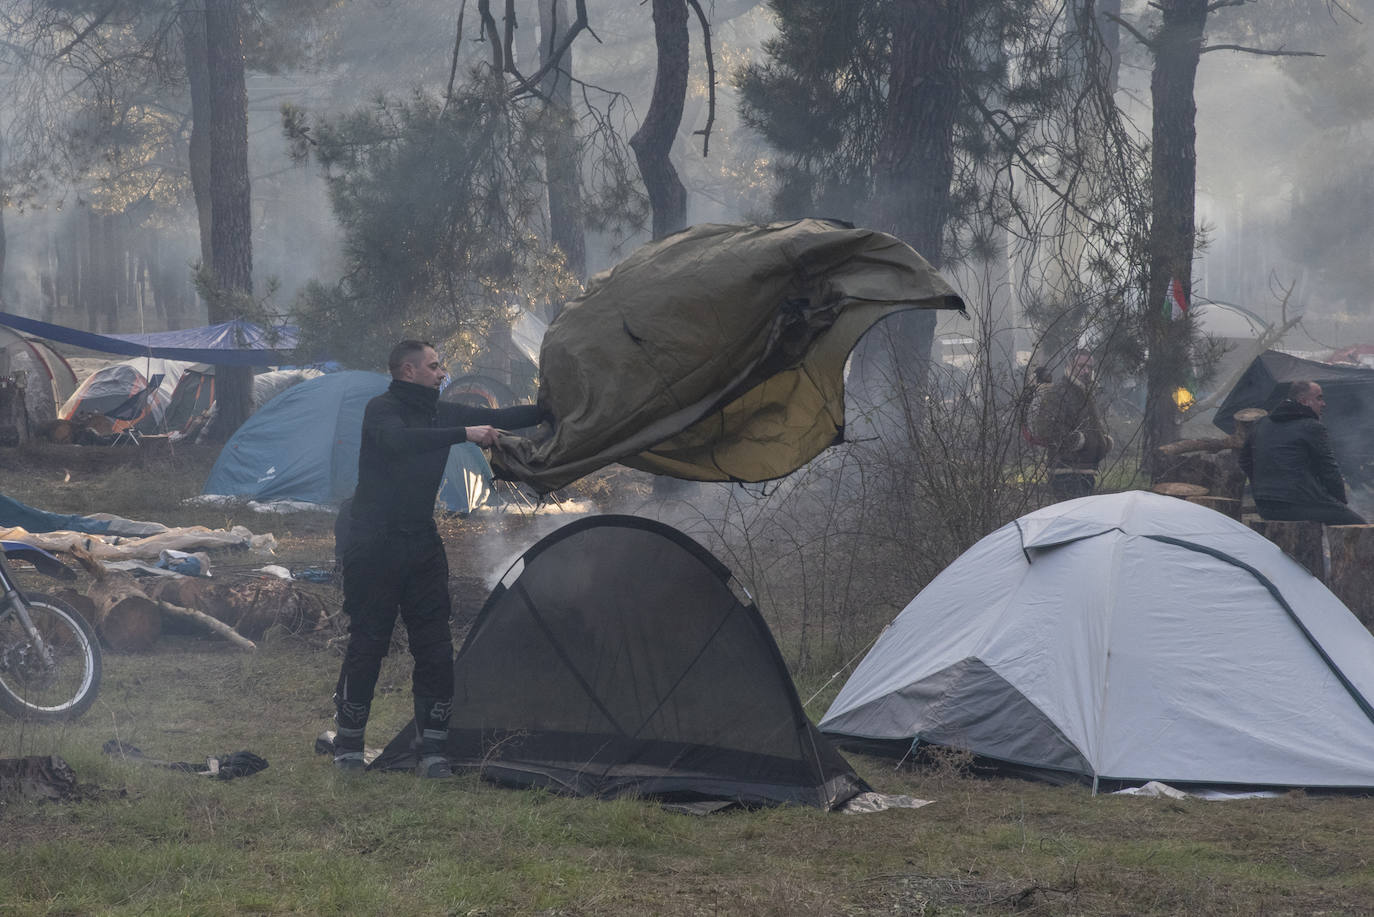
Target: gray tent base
[922,755]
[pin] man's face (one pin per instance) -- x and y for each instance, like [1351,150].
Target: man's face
[1314,399]
[1081,368]
[424,368]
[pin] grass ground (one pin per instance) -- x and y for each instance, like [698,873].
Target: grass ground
[300,838]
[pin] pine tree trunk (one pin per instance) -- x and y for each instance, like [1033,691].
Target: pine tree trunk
[653,142]
[560,155]
[231,224]
[2,222]
[1173,169]
[1110,31]
[198,79]
[100,291]
[914,170]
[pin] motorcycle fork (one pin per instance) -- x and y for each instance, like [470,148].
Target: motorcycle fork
[14,604]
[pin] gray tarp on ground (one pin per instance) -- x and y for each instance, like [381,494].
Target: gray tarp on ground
[716,354]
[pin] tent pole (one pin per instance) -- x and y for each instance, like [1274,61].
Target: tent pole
[1094,784]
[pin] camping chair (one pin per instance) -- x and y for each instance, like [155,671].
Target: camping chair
[131,409]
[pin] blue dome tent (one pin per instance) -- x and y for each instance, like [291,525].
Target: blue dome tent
[303,445]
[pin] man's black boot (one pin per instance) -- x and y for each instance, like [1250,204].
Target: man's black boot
[431,727]
[351,718]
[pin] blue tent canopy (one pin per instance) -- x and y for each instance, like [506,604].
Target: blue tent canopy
[303,445]
[236,343]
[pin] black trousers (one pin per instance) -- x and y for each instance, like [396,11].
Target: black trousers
[1329,513]
[1070,485]
[386,575]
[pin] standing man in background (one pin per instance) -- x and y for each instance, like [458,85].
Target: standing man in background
[1068,423]
[1292,469]
[394,561]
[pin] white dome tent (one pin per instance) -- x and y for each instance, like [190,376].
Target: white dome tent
[1125,638]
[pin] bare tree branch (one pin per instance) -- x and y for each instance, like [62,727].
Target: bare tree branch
[705,132]
[1267,339]
[90,27]
[1136,33]
[528,85]
[457,46]
[1278,52]
[491,33]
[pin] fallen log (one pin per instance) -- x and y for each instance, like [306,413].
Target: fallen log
[125,617]
[212,624]
[249,608]
[128,619]
[57,431]
[1205,444]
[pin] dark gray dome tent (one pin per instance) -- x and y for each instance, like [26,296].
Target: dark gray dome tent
[614,659]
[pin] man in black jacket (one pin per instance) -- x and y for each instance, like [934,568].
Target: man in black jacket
[394,562]
[1066,420]
[1292,470]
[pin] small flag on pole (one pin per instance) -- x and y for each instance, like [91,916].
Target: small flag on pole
[1176,301]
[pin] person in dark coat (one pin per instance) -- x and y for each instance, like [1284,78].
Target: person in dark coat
[1292,469]
[1067,422]
[394,561]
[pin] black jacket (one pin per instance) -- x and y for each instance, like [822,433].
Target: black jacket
[1288,458]
[1066,420]
[407,432]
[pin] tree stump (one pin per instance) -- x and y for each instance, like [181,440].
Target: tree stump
[1227,506]
[1352,569]
[1301,541]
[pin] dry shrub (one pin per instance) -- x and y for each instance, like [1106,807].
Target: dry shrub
[833,552]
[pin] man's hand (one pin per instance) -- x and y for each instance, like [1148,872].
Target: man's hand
[482,436]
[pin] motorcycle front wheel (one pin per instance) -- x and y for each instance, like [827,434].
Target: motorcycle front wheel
[59,685]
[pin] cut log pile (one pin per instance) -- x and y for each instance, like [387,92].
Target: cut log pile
[130,618]
[1210,467]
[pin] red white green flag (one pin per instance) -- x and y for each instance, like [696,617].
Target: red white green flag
[1175,301]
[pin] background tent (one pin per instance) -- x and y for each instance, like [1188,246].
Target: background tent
[479,391]
[1349,413]
[716,353]
[51,380]
[195,393]
[108,388]
[303,445]
[614,659]
[1125,638]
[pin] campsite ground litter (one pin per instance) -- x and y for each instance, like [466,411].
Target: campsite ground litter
[299,838]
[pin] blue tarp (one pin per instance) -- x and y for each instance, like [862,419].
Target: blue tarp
[236,343]
[13,513]
[303,445]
